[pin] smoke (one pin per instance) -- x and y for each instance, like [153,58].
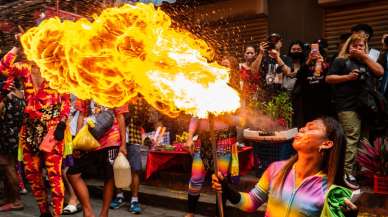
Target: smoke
[257,120]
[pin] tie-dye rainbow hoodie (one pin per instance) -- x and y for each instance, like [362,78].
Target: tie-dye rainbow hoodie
[305,200]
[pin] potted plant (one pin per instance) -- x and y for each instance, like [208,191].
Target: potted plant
[373,160]
[280,109]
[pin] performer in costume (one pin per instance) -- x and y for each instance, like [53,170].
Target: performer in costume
[225,132]
[44,120]
[299,186]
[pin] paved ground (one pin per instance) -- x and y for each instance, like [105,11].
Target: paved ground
[31,210]
[150,211]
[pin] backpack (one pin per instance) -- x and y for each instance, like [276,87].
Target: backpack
[375,109]
[384,79]
[372,104]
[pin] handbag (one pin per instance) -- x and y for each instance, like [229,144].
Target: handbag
[103,122]
[48,142]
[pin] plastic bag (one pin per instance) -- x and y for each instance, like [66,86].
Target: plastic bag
[122,171]
[84,140]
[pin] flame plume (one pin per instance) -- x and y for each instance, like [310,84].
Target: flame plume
[129,50]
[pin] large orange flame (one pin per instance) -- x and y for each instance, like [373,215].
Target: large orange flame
[129,50]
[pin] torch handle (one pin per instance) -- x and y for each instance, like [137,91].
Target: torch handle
[215,160]
[21,29]
[220,205]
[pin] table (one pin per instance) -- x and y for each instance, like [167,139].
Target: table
[161,160]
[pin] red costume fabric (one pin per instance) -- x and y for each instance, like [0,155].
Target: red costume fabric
[45,108]
[250,84]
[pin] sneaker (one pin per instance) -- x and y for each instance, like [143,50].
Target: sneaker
[351,181]
[117,203]
[135,207]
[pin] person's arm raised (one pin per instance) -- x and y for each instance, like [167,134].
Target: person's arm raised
[257,62]
[283,67]
[8,60]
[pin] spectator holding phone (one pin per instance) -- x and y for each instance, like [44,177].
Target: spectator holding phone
[297,55]
[311,92]
[346,76]
[274,65]
[249,75]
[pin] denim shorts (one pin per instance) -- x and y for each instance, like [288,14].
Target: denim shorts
[134,157]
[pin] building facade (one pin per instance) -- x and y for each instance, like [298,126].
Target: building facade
[306,20]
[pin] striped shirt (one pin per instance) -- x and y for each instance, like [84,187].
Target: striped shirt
[307,199]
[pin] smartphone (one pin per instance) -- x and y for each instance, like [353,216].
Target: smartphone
[374,54]
[271,45]
[314,48]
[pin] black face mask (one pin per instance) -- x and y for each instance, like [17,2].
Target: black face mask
[296,55]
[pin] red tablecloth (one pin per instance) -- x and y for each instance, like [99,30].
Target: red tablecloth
[160,160]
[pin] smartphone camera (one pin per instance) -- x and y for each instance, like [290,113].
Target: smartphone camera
[271,45]
[273,39]
[362,76]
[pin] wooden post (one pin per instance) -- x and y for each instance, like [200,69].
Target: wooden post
[215,157]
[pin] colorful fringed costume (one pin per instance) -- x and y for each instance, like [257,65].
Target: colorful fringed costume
[45,108]
[203,161]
